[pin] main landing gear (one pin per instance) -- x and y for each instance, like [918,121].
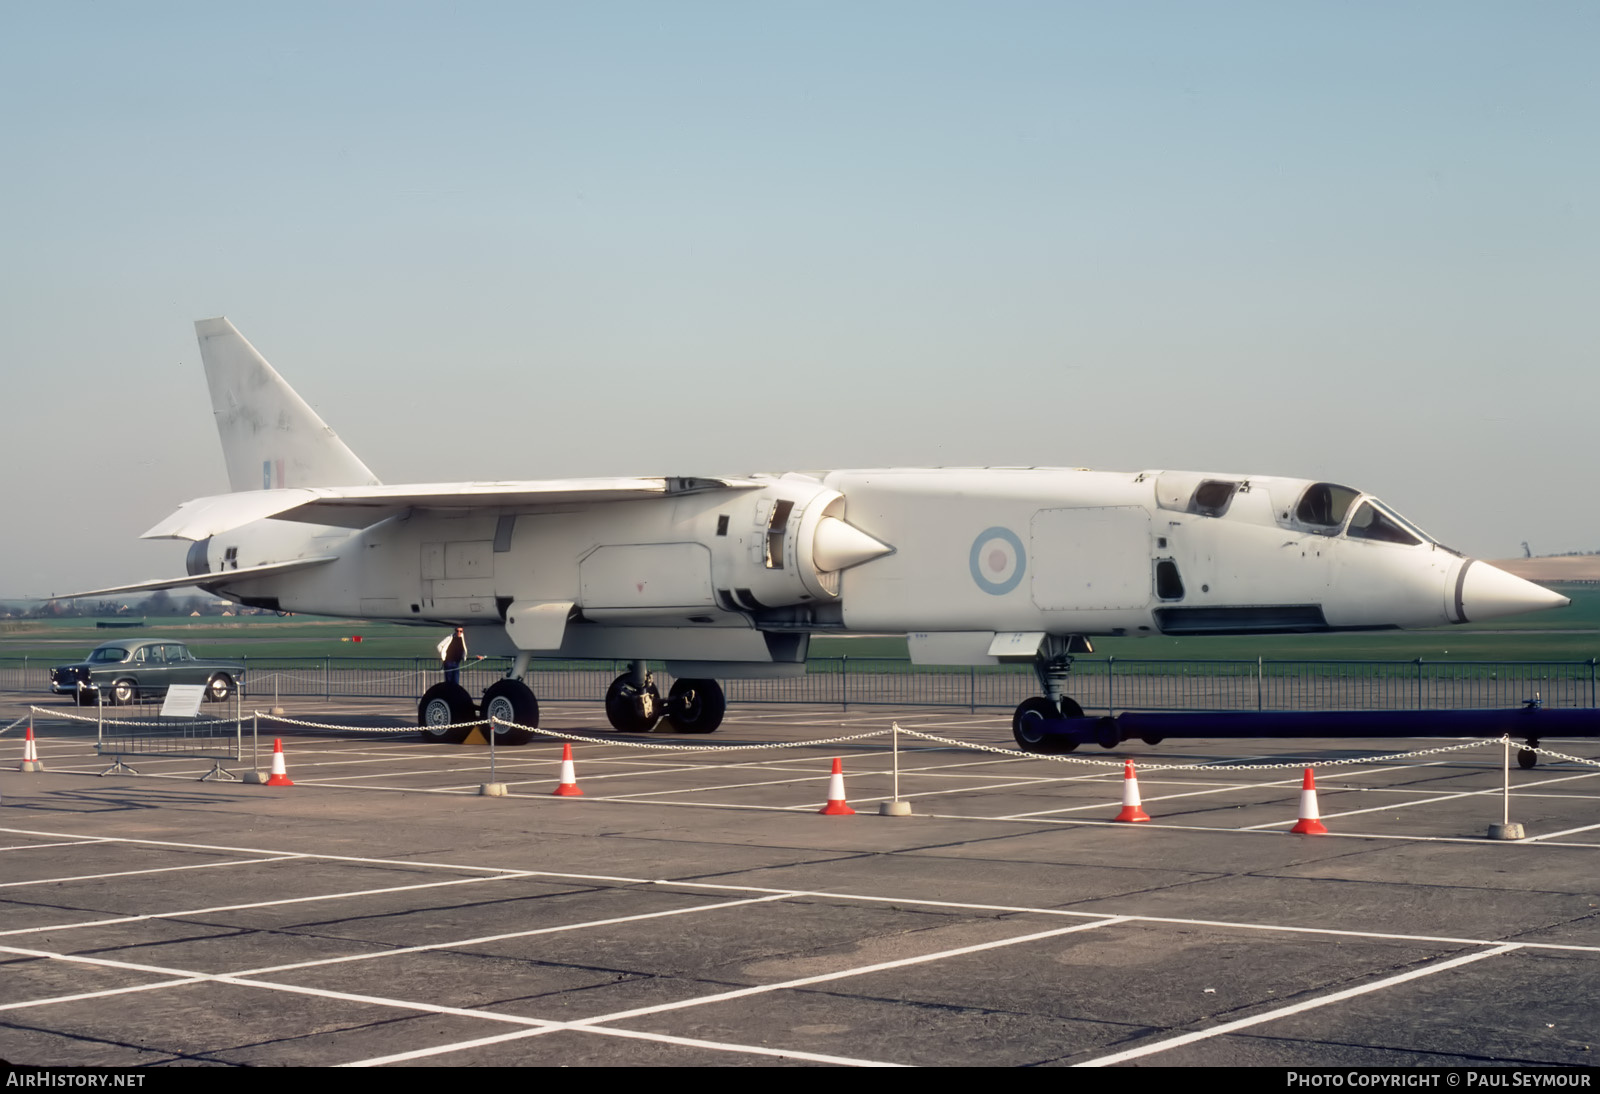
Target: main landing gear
[511,703]
[634,704]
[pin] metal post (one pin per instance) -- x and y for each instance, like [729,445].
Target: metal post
[1111,686]
[1259,704]
[844,682]
[972,705]
[1505,782]
[895,807]
[327,688]
[1419,683]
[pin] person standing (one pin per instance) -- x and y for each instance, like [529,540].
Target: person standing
[453,651]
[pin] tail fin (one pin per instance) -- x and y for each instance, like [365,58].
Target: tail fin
[270,437]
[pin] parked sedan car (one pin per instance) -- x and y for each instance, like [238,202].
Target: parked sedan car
[144,667]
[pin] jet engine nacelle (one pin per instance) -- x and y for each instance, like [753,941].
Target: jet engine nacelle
[781,546]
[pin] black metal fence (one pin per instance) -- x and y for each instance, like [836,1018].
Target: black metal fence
[1099,684]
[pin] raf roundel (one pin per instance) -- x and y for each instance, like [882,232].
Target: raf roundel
[997,561]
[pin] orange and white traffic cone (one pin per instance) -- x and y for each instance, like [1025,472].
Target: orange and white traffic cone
[1310,823]
[30,754]
[1131,812]
[280,772]
[569,775]
[837,806]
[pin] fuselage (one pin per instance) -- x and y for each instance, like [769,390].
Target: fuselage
[742,575]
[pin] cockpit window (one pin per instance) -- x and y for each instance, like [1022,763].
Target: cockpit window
[1211,498]
[1325,504]
[1370,522]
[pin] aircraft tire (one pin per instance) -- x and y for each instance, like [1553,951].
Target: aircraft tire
[622,710]
[1030,734]
[1106,734]
[1527,760]
[440,711]
[511,701]
[219,689]
[696,706]
[1152,741]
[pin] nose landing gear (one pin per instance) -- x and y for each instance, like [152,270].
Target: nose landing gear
[1033,722]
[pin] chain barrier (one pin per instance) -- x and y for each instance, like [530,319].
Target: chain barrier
[1548,753]
[586,737]
[707,747]
[72,717]
[948,742]
[390,730]
[1299,766]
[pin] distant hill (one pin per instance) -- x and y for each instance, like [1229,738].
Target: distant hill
[1553,569]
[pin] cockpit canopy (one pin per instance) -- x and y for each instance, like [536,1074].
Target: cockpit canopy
[1322,508]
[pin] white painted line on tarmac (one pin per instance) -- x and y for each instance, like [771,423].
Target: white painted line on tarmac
[366,860]
[729,1046]
[1563,832]
[257,904]
[57,843]
[1133,917]
[1295,1008]
[588,1024]
[484,940]
[152,870]
[154,985]
[1436,799]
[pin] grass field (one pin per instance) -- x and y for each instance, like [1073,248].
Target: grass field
[1570,634]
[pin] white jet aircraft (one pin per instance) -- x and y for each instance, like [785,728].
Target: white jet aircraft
[729,577]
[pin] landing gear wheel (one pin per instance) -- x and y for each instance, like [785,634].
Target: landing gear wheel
[1106,734]
[124,692]
[1028,729]
[219,689]
[1526,759]
[1152,741]
[442,708]
[696,706]
[630,708]
[511,701]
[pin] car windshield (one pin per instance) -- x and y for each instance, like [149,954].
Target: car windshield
[108,653]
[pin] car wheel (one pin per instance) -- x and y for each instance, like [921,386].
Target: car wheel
[219,689]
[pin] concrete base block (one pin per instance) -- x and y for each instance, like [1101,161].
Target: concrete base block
[493,790]
[894,809]
[1505,831]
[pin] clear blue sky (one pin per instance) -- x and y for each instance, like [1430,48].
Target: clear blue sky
[1355,241]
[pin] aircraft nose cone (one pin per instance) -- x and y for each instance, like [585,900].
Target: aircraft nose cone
[1489,593]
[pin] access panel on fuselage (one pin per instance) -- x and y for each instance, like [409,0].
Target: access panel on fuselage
[1090,559]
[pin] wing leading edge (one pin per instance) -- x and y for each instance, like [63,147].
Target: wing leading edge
[363,506]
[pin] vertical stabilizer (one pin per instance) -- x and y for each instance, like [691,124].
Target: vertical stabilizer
[270,437]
